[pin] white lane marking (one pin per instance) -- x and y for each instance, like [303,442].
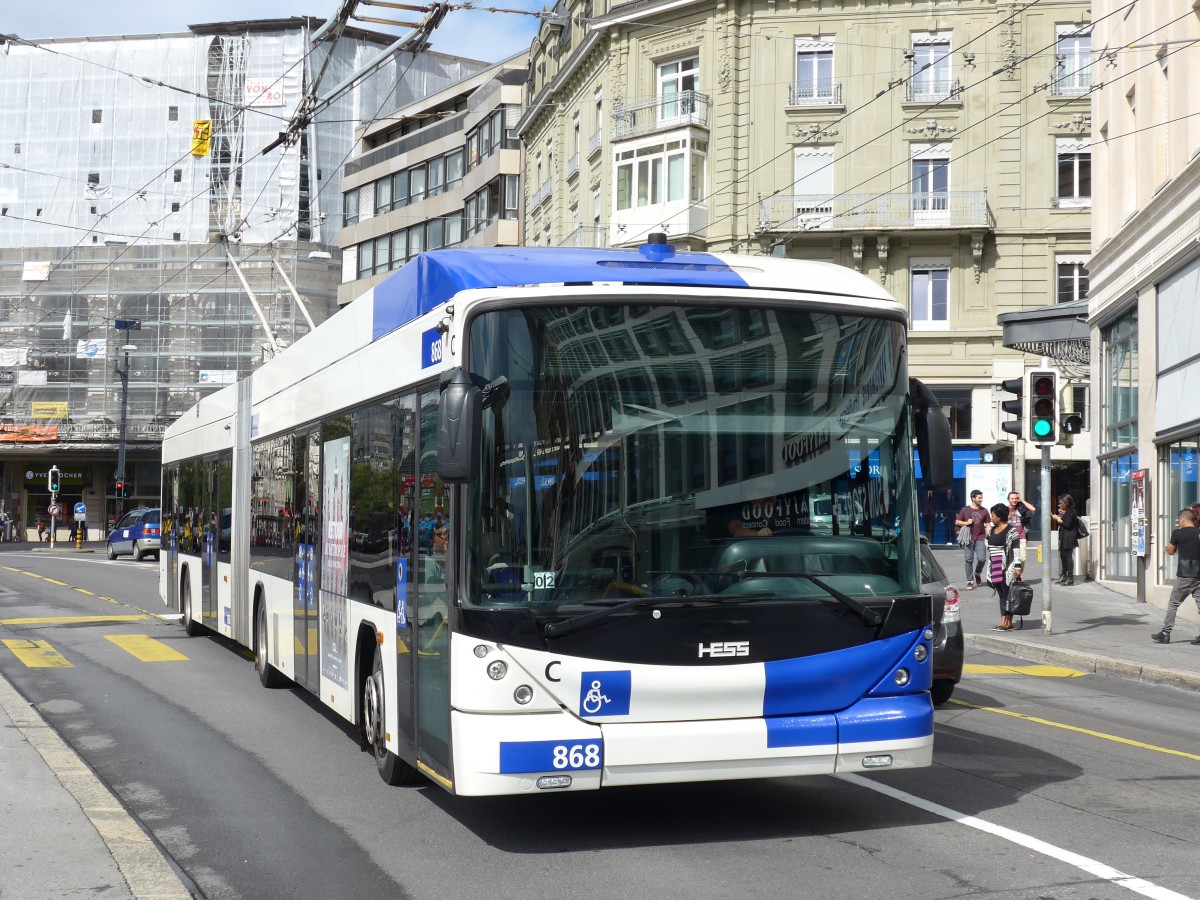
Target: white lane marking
[1091,866]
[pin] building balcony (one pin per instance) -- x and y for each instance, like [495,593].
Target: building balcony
[595,142]
[542,193]
[809,94]
[573,165]
[932,90]
[874,212]
[658,113]
[587,236]
[1077,84]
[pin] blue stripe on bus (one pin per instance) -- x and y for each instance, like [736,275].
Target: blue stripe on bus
[875,719]
[801,731]
[827,681]
[433,278]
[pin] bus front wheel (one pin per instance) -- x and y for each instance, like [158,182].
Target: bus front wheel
[392,769]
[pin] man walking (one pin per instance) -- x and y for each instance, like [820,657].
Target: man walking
[977,519]
[1185,540]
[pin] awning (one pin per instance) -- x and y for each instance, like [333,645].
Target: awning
[1059,332]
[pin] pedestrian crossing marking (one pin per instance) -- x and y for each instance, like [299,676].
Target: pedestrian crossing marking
[146,648]
[38,654]
[1038,671]
[72,620]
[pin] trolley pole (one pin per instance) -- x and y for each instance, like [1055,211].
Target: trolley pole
[1047,623]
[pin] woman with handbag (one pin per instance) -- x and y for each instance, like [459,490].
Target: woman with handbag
[1004,560]
[1068,523]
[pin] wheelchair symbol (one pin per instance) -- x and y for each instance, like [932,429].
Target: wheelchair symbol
[594,701]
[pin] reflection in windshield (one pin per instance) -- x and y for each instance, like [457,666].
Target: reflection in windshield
[681,451]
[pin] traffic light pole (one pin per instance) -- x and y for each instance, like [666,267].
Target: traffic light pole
[1047,619]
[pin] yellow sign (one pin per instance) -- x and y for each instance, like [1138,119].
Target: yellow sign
[201,136]
[47,410]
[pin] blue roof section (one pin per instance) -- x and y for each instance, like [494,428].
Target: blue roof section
[434,277]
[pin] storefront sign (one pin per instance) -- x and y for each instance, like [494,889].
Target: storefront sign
[28,434]
[1137,514]
[69,476]
[48,410]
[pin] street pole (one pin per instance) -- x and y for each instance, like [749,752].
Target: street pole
[120,473]
[1046,501]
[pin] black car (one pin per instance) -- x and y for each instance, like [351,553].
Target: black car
[948,641]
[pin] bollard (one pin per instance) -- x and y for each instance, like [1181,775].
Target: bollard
[1039,552]
[79,538]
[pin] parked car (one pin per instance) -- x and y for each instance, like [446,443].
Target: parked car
[948,640]
[139,533]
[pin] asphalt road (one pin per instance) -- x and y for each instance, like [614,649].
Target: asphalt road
[1044,786]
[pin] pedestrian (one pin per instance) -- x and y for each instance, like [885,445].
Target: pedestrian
[1067,520]
[1020,513]
[975,519]
[1185,541]
[41,530]
[1004,560]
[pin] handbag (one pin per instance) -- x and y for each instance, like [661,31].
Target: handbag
[1020,599]
[964,536]
[1081,529]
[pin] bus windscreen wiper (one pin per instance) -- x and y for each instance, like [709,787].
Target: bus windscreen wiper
[869,616]
[586,620]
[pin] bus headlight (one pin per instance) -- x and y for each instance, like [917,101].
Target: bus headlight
[497,669]
[901,677]
[523,694]
[481,650]
[921,652]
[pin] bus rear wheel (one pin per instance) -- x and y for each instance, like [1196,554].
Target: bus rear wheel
[191,627]
[267,673]
[392,769]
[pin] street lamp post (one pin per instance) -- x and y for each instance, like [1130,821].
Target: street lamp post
[119,476]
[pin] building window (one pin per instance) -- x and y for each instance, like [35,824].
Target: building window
[956,404]
[677,85]
[174,207]
[177,177]
[1121,377]
[93,177]
[814,186]
[814,72]
[1072,279]
[1178,464]
[349,208]
[97,116]
[930,294]
[1072,61]
[595,206]
[176,236]
[454,169]
[1074,172]
[930,181]
[172,113]
[931,78]
[668,172]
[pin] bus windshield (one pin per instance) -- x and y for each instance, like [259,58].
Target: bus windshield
[711,452]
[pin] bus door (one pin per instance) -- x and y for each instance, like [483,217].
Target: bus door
[430,614]
[216,529]
[306,452]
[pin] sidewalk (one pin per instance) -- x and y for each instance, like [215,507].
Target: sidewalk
[1093,629]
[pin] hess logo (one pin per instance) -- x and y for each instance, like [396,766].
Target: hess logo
[719,649]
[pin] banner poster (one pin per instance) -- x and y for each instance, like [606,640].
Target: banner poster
[335,561]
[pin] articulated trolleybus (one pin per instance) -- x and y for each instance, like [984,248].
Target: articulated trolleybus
[540,519]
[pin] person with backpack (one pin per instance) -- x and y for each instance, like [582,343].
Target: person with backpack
[1185,542]
[1004,560]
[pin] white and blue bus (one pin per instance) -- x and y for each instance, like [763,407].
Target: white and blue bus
[560,519]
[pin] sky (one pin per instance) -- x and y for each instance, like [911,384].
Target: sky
[475,35]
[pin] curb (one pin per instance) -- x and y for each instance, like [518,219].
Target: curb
[1088,662]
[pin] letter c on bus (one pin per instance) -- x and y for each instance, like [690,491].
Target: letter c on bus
[549,666]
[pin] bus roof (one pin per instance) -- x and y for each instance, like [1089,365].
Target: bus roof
[434,277]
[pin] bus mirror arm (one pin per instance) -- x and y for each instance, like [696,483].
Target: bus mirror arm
[933,437]
[459,419]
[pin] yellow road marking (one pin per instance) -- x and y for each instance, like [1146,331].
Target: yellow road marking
[1037,671]
[1089,732]
[38,655]
[71,620]
[30,574]
[11,569]
[85,591]
[52,581]
[146,648]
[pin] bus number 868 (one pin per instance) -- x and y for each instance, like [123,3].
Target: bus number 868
[577,756]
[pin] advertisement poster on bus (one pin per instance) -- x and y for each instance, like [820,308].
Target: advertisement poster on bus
[994,479]
[335,560]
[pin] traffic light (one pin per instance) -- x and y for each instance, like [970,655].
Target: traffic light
[1013,407]
[1043,407]
[119,488]
[1071,423]
[53,479]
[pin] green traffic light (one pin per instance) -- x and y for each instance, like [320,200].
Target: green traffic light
[1042,428]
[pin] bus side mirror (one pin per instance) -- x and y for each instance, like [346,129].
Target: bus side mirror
[933,437]
[459,421]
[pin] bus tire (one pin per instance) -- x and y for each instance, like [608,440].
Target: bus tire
[392,769]
[191,627]
[267,673]
[940,692]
